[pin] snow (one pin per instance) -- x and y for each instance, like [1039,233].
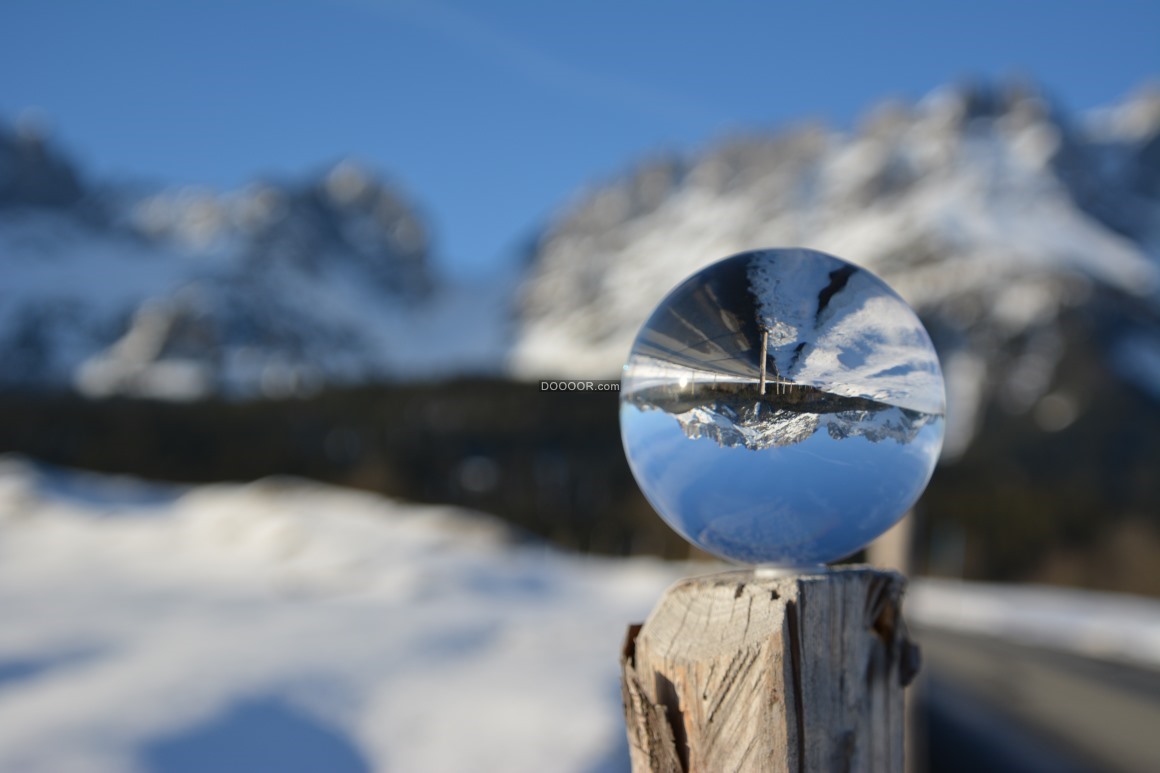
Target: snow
[864,344]
[1107,626]
[150,628]
[286,625]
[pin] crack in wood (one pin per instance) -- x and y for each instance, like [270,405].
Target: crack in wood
[684,619]
[670,700]
[795,655]
[739,665]
[745,754]
[628,649]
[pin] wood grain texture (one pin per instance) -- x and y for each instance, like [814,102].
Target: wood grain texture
[745,672]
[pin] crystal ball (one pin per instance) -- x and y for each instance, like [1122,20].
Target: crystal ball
[782,407]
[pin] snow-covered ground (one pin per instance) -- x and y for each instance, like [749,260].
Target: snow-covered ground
[1107,626]
[290,626]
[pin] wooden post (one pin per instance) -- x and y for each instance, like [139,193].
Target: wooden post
[892,550]
[744,671]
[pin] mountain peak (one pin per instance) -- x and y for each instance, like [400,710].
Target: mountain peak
[986,206]
[32,172]
[182,292]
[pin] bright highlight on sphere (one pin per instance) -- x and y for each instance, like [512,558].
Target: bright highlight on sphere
[782,407]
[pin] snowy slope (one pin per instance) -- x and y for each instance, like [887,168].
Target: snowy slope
[289,626]
[301,627]
[989,210]
[275,289]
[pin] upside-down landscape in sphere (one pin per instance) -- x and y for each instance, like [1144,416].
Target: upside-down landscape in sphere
[782,407]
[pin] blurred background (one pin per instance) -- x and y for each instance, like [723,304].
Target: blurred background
[346,241]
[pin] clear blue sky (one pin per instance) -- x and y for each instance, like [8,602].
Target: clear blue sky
[493,114]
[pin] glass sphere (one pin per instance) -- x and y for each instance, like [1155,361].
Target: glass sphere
[782,407]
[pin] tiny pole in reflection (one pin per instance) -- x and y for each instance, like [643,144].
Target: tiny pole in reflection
[764,358]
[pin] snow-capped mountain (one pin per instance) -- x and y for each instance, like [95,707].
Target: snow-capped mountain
[184,293]
[748,426]
[1001,219]
[991,211]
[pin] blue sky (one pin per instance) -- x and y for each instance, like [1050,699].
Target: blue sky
[492,115]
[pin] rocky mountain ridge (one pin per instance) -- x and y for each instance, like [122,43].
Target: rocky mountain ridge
[1011,226]
[989,209]
[277,289]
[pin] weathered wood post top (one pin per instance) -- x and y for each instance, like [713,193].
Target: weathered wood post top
[751,670]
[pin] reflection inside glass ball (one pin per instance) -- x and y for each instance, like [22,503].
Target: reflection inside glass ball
[782,407]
